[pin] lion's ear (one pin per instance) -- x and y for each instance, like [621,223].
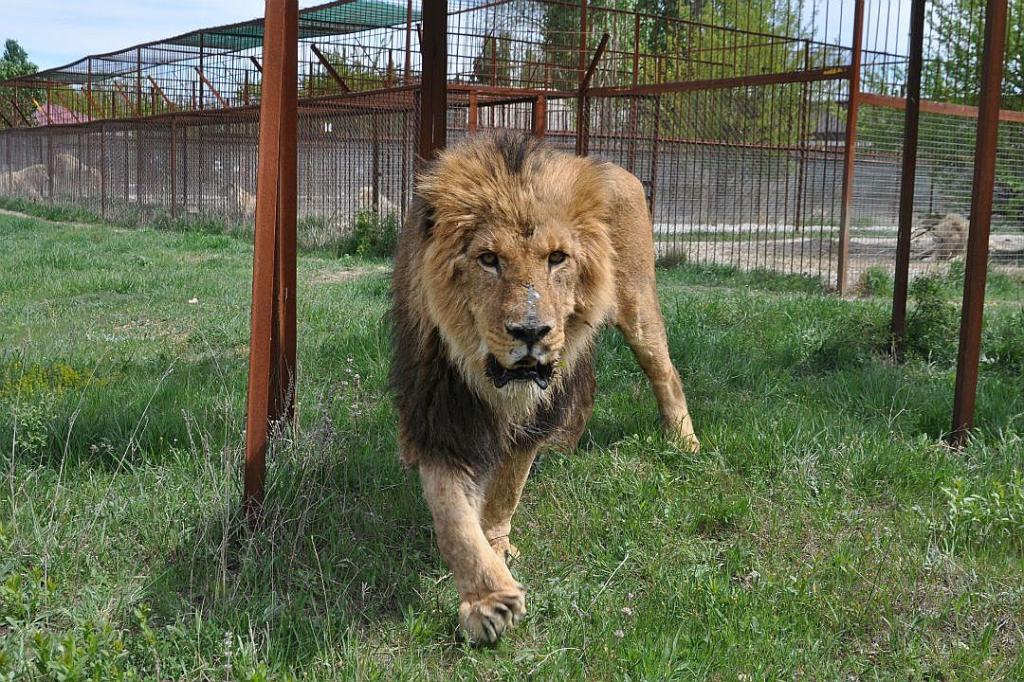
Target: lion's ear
[422,216]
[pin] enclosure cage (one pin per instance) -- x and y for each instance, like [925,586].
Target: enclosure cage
[768,134]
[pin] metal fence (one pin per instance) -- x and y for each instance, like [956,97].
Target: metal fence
[738,130]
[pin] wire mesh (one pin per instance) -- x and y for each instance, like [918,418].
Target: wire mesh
[732,115]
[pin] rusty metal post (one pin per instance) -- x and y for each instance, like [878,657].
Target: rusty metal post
[472,112]
[88,89]
[634,104]
[202,50]
[985,149]
[283,405]
[49,162]
[408,43]
[801,181]
[654,153]
[138,81]
[582,108]
[375,162]
[911,124]
[433,86]
[850,151]
[103,170]
[271,295]
[540,116]
[174,166]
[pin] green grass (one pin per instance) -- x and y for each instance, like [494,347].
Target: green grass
[824,532]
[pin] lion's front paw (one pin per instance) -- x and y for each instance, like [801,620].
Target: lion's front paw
[683,435]
[485,620]
[504,549]
[689,443]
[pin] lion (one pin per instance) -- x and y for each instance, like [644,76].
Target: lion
[512,258]
[241,202]
[27,183]
[948,236]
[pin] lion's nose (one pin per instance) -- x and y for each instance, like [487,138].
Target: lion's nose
[528,333]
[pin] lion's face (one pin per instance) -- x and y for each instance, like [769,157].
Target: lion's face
[518,260]
[520,284]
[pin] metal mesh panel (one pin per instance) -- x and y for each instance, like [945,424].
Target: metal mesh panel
[942,193]
[732,115]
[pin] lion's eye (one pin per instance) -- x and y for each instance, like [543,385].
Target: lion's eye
[488,259]
[556,257]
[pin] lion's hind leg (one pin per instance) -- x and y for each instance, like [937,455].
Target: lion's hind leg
[639,319]
[492,601]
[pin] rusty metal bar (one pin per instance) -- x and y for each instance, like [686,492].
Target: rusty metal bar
[49,162]
[17,108]
[598,53]
[375,162]
[216,93]
[472,112]
[330,69]
[174,167]
[283,399]
[582,101]
[202,65]
[45,110]
[805,105]
[850,152]
[911,126]
[158,89]
[943,108]
[88,89]
[280,55]
[634,102]
[539,125]
[583,97]
[434,93]
[986,146]
[103,170]
[124,95]
[654,154]
[408,43]
[802,76]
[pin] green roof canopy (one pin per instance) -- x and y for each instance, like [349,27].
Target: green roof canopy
[334,18]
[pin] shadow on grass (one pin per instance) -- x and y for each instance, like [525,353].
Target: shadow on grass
[343,546]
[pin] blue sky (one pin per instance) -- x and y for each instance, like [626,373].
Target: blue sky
[55,32]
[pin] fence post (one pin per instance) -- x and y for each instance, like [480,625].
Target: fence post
[801,177]
[850,152]
[271,370]
[49,162]
[472,112]
[654,153]
[911,120]
[540,116]
[174,166]
[986,145]
[103,170]
[433,85]
[582,113]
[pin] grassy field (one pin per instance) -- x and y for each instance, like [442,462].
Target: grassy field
[824,532]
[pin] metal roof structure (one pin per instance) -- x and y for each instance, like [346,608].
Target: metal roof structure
[331,19]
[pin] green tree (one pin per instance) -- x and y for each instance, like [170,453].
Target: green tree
[952,70]
[493,64]
[14,63]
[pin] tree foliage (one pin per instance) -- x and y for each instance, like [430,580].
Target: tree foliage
[14,63]
[952,70]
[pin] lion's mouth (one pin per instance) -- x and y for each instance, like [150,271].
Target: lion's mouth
[527,369]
